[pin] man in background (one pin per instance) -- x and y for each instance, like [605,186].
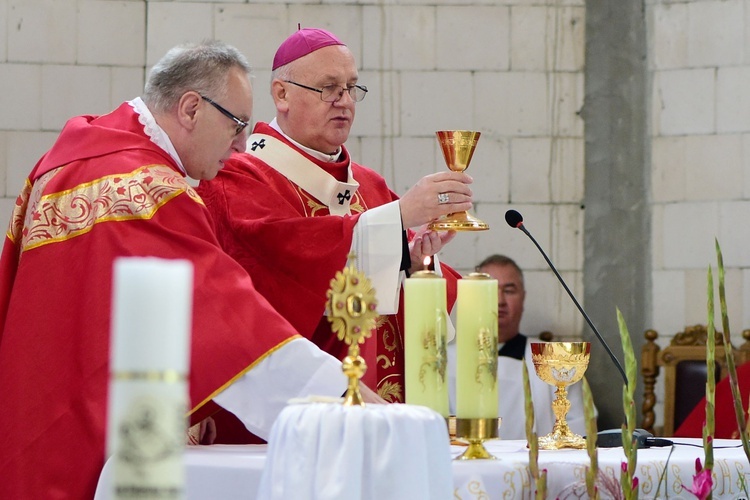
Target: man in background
[115,186]
[295,205]
[513,348]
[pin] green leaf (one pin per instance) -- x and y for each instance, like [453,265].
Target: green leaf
[729,355]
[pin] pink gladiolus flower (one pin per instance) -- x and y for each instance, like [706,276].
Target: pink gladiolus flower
[698,465]
[624,466]
[635,484]
[702,482]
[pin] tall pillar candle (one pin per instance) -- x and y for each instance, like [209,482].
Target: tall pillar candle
[149,360]
[425,341]
[476,347]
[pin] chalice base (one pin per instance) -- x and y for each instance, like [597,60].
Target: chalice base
[556,440]
[459,221]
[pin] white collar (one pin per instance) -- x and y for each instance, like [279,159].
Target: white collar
[152,129]
[312,152]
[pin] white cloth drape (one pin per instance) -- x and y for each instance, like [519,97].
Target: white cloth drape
[328,451]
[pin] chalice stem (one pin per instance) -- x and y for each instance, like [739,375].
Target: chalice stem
[561,406]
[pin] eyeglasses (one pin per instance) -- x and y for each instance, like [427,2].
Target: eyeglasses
[332,93]
[240,123]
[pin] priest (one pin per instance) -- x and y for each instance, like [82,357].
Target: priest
[111,186]
[296,204]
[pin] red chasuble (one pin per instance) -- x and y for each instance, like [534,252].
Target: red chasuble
[292,247]
[103,191]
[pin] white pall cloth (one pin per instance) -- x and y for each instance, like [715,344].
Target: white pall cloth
[326,451]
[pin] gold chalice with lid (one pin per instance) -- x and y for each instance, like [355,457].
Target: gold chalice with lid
[561,364]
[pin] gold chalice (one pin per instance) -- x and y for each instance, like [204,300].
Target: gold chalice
[561,364]
[458,148]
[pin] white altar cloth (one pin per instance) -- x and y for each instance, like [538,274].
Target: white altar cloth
[509,478]
[234,472]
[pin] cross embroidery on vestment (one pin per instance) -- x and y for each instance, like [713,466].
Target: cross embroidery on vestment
[258,144]
[346,196]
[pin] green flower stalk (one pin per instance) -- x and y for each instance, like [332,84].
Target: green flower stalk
[709,427]
[593,470]
[628,480]
[540,478]
[729,354]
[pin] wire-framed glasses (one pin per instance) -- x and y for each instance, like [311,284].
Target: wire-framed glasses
[332,93]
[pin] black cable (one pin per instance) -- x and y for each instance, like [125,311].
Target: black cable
[701,445]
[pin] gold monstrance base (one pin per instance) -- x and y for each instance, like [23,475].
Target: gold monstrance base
[561,364]
[476,431]
[458,148]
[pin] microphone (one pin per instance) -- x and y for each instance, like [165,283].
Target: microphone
[515,219]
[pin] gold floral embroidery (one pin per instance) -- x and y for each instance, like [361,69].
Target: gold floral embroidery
[314,206]
[355,205]
[135,195]
[434,358]
[390,391]
[476,488]
[487,357]
[390,333]
[19,211]
[384,361]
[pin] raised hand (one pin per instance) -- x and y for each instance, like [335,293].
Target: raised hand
[435,195]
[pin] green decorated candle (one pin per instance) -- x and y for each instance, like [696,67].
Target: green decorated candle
[476,349]
[425,339]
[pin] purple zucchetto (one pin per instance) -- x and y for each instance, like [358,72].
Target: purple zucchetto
[301,43]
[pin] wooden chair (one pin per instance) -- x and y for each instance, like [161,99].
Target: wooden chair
[685,373]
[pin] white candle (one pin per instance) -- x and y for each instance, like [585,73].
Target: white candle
[476,347]
[149,360]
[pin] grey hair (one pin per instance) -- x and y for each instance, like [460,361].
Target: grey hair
[202,67]
[500,260]
[282,72]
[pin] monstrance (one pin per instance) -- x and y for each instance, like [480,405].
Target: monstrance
[352,310]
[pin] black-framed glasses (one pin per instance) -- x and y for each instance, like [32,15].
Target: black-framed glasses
[241,124]
[332,93]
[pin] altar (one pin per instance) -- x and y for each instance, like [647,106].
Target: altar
[234,472]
